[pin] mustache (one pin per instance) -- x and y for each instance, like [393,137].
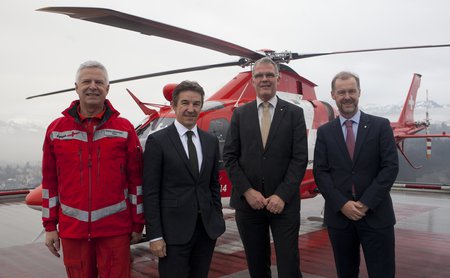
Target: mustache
[265,83]
[190,114]
[347,101]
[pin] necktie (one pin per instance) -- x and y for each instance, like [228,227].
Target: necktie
[265,122]
[350,138]
[192,152]
[350,141]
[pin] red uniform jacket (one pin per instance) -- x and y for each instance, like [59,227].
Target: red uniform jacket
[92,180]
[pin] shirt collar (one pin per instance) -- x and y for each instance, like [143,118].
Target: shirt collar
[99,116]
[273,101]
[355,118]
[181,129]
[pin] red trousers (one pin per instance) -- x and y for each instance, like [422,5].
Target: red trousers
[105,257]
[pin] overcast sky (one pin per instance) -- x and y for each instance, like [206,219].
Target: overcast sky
[40,52]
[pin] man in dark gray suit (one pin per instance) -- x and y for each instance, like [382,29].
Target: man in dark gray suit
[355,175]
[266,155]
[182,206]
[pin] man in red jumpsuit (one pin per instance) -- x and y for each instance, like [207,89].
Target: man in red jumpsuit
[92,187]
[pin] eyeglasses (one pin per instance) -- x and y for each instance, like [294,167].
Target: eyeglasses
[261,75]
[350,92]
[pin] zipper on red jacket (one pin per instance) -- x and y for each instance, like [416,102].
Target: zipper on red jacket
[98,166]
[80,158]
[89,195]
[90,143]
[122,176]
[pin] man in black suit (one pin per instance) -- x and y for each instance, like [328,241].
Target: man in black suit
[266,155]
[355,176]
[182,206]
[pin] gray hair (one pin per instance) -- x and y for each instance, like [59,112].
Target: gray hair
[344,75]
[266,60]
[91,64]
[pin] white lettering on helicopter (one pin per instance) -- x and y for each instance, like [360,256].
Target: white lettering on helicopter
[223,188]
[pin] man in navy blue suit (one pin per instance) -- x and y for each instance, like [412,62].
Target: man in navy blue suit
[355,165]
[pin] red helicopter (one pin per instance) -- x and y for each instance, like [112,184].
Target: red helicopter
[218,108]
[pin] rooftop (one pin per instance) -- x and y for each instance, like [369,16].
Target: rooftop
[422,242]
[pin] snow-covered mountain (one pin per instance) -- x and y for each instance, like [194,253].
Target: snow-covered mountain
[438,113]
[21,139]
[21,125]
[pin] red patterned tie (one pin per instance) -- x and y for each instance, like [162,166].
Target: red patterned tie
[350,138]
[350,146]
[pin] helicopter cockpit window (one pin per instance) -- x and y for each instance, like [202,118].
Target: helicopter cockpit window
[219,128]
[212,105]
[155,125]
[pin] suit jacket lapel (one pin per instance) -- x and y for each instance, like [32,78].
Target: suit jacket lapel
[339,137]
[279,112]
[203,142]
[176,141]
[254,127]
[363,129]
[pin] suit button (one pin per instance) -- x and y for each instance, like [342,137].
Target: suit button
[264,157]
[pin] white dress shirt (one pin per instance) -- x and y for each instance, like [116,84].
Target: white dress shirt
[273,103]
[195,138]
[355,119]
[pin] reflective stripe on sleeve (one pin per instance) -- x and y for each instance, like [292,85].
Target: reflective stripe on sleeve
[45,194]
[139,190]
[133,199]
[45,213]
[52,202]
[139,209]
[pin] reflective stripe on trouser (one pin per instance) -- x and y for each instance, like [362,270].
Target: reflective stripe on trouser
[98,257]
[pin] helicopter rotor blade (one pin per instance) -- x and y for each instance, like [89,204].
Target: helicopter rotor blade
[240,62]
[296,56]
[153,28]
